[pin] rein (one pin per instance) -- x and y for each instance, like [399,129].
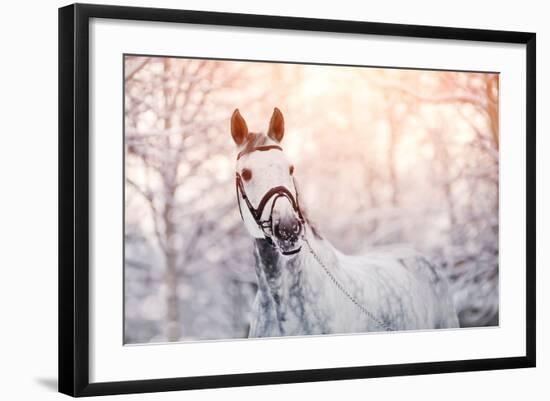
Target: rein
[266,225]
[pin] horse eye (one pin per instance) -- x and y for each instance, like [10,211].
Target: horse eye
[291,170]
[246,174]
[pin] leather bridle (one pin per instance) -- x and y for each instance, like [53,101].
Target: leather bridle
[274,193]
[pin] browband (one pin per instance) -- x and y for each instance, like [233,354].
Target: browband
[260,148]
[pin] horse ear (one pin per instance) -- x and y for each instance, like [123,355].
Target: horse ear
[239,130]
[276,126]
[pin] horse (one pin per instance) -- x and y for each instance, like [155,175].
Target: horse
[305,285]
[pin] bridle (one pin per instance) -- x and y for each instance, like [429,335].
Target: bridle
[273,194]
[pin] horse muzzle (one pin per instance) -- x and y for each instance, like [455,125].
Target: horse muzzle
[287,228]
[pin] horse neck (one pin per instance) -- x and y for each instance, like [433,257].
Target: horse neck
[290,287]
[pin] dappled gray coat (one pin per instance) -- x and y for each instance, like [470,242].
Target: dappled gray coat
[322,291]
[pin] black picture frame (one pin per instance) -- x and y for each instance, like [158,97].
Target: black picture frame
[74,193]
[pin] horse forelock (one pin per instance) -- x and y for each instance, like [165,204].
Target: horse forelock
[254,140]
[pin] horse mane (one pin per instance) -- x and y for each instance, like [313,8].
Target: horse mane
[313,227]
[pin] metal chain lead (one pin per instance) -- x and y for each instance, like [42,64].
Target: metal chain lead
[346,293]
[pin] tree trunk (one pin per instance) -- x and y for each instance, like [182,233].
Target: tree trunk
[173,331]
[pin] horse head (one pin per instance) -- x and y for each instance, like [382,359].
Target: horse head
[266,191]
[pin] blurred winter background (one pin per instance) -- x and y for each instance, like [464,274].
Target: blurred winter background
[382,156]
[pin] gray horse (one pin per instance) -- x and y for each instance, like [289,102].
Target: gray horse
[305,285]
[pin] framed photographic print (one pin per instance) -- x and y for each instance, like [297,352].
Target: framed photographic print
[249,199]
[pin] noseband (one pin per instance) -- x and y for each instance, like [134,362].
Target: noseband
[274,193]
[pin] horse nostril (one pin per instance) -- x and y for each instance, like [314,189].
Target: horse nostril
[287,231]
[280,231]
